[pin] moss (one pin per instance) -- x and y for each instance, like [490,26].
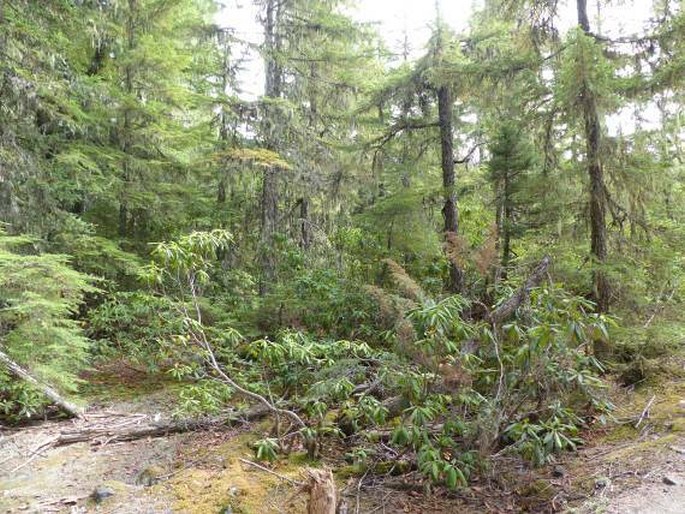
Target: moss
[538,489]
[120,381]
[236,487]
[676,425]
[150,476]
[393,467]
[620,433]
[345,472]
[302,459]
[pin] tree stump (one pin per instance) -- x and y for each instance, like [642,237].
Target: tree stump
[323,495]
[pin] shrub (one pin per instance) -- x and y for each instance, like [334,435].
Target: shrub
[137,325]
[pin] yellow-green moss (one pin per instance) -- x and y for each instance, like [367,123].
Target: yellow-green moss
[539,490]
[243,488]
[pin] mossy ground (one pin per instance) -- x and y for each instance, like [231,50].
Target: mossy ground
[214,477]
[636,449]
[121,381]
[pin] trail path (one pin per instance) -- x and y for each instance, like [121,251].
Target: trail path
[639,470]
[627,471]
[65,478]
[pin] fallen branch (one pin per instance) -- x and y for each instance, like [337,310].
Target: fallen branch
[140,428]
[660,306]
[271,472]
[509,306]
[645,411]
[200,338]
[19,372]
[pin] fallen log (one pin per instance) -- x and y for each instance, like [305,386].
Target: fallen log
[509,306]
[140,428]
[17,371]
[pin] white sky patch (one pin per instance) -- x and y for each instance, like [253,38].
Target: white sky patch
[415,18]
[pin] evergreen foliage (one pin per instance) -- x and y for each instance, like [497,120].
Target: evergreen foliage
[40,295]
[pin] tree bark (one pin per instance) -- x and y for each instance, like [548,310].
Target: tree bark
[506,223]
[101,430]
[19,372]
[323,494]
[272,89]
[305,225]
[450,214]
[269,219]
[126,135]
[598,231]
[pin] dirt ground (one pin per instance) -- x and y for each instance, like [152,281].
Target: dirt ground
[622,470]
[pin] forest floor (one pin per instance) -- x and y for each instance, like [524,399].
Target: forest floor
[622,469]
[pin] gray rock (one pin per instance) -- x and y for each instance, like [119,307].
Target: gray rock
[602,482]
[670,481]
[101,493]
[558,472]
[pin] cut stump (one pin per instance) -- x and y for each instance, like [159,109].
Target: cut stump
[323,494]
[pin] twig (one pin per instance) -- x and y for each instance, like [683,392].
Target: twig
[201,339]
[267,470]
[26,462]
[359,491]
[659,307]
[381,506]
[645,412]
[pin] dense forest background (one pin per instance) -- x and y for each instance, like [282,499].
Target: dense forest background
[453,248]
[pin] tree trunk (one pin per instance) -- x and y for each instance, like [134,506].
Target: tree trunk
[507,222]
[598,231]
[19,372]
[127,128]
[272,89]
[508,307]
[305,225]
[449,211]
[269,218]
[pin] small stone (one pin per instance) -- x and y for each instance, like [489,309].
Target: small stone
[602,482]
[101,493]
[558,472]
[670,481]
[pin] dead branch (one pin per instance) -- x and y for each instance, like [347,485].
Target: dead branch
[509,306]
[20,373]
[645,411]
[140,428]
[200,338]
[271,472]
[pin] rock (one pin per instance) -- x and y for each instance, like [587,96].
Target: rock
[558,472]
[670,481]
[602,482]
[101,493]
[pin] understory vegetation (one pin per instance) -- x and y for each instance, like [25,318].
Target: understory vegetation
[423,261]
